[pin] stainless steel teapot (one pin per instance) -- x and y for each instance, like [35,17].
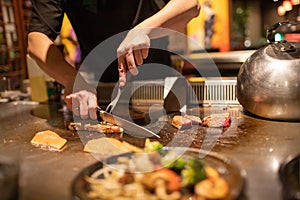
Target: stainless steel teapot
[268,81]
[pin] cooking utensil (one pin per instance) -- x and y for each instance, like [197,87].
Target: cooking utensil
[111,106]
[226,168]
[129,127]
[268,81]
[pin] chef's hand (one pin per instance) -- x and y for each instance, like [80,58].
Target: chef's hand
[132,52]
[82,103]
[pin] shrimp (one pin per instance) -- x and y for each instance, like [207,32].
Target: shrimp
[214,187]
[211,173]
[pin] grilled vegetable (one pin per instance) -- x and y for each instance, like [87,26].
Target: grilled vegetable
[193,172]
[172,161]
[153,146]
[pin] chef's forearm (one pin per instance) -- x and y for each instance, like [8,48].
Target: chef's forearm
[175,15]
[50,59]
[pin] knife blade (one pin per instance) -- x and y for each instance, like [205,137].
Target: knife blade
[129,127]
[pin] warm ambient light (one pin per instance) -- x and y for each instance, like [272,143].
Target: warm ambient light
[287,5]
[295,2]
[281,10]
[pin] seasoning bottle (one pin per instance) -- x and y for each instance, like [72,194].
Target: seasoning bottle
[37,79]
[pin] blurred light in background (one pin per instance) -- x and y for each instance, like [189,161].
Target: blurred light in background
[281,10]
[278,37]
[287,5]
[295,2]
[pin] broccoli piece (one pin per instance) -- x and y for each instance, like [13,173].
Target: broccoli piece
[171,161]
[177,166]
[193,172]
[154,146]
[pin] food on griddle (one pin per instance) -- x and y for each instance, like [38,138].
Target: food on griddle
[182,178]
[217,120]
[109,146]
[132,147]
[48,140]
[103,127]
[181,122]
[105,145]
[195,120]
[164,118]
[76,126]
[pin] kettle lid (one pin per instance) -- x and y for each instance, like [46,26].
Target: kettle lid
[284,50]
[283,27]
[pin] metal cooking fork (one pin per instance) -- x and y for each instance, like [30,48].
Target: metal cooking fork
[111,106]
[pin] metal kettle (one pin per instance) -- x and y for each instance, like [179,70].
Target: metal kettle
[268,81]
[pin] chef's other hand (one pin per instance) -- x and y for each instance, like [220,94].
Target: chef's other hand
[132,52]
[82,103]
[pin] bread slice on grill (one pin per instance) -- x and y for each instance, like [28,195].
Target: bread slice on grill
[48,140]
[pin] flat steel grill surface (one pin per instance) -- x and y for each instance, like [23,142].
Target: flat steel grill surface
[257,145]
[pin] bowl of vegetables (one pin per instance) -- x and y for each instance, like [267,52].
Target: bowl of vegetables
[162,173]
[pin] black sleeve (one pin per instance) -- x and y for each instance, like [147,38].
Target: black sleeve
[46,17]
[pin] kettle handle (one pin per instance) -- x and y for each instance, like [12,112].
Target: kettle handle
[274,29]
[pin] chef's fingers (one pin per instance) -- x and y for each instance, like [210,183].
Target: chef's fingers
[78,107]
[131,63]
[92,107]
[145,52]
[138,56]
[83,104]
[122,70]
[72,104]
[83,109]
[68,101]
[88,104]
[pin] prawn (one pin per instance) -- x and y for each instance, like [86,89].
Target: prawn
[214,187]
